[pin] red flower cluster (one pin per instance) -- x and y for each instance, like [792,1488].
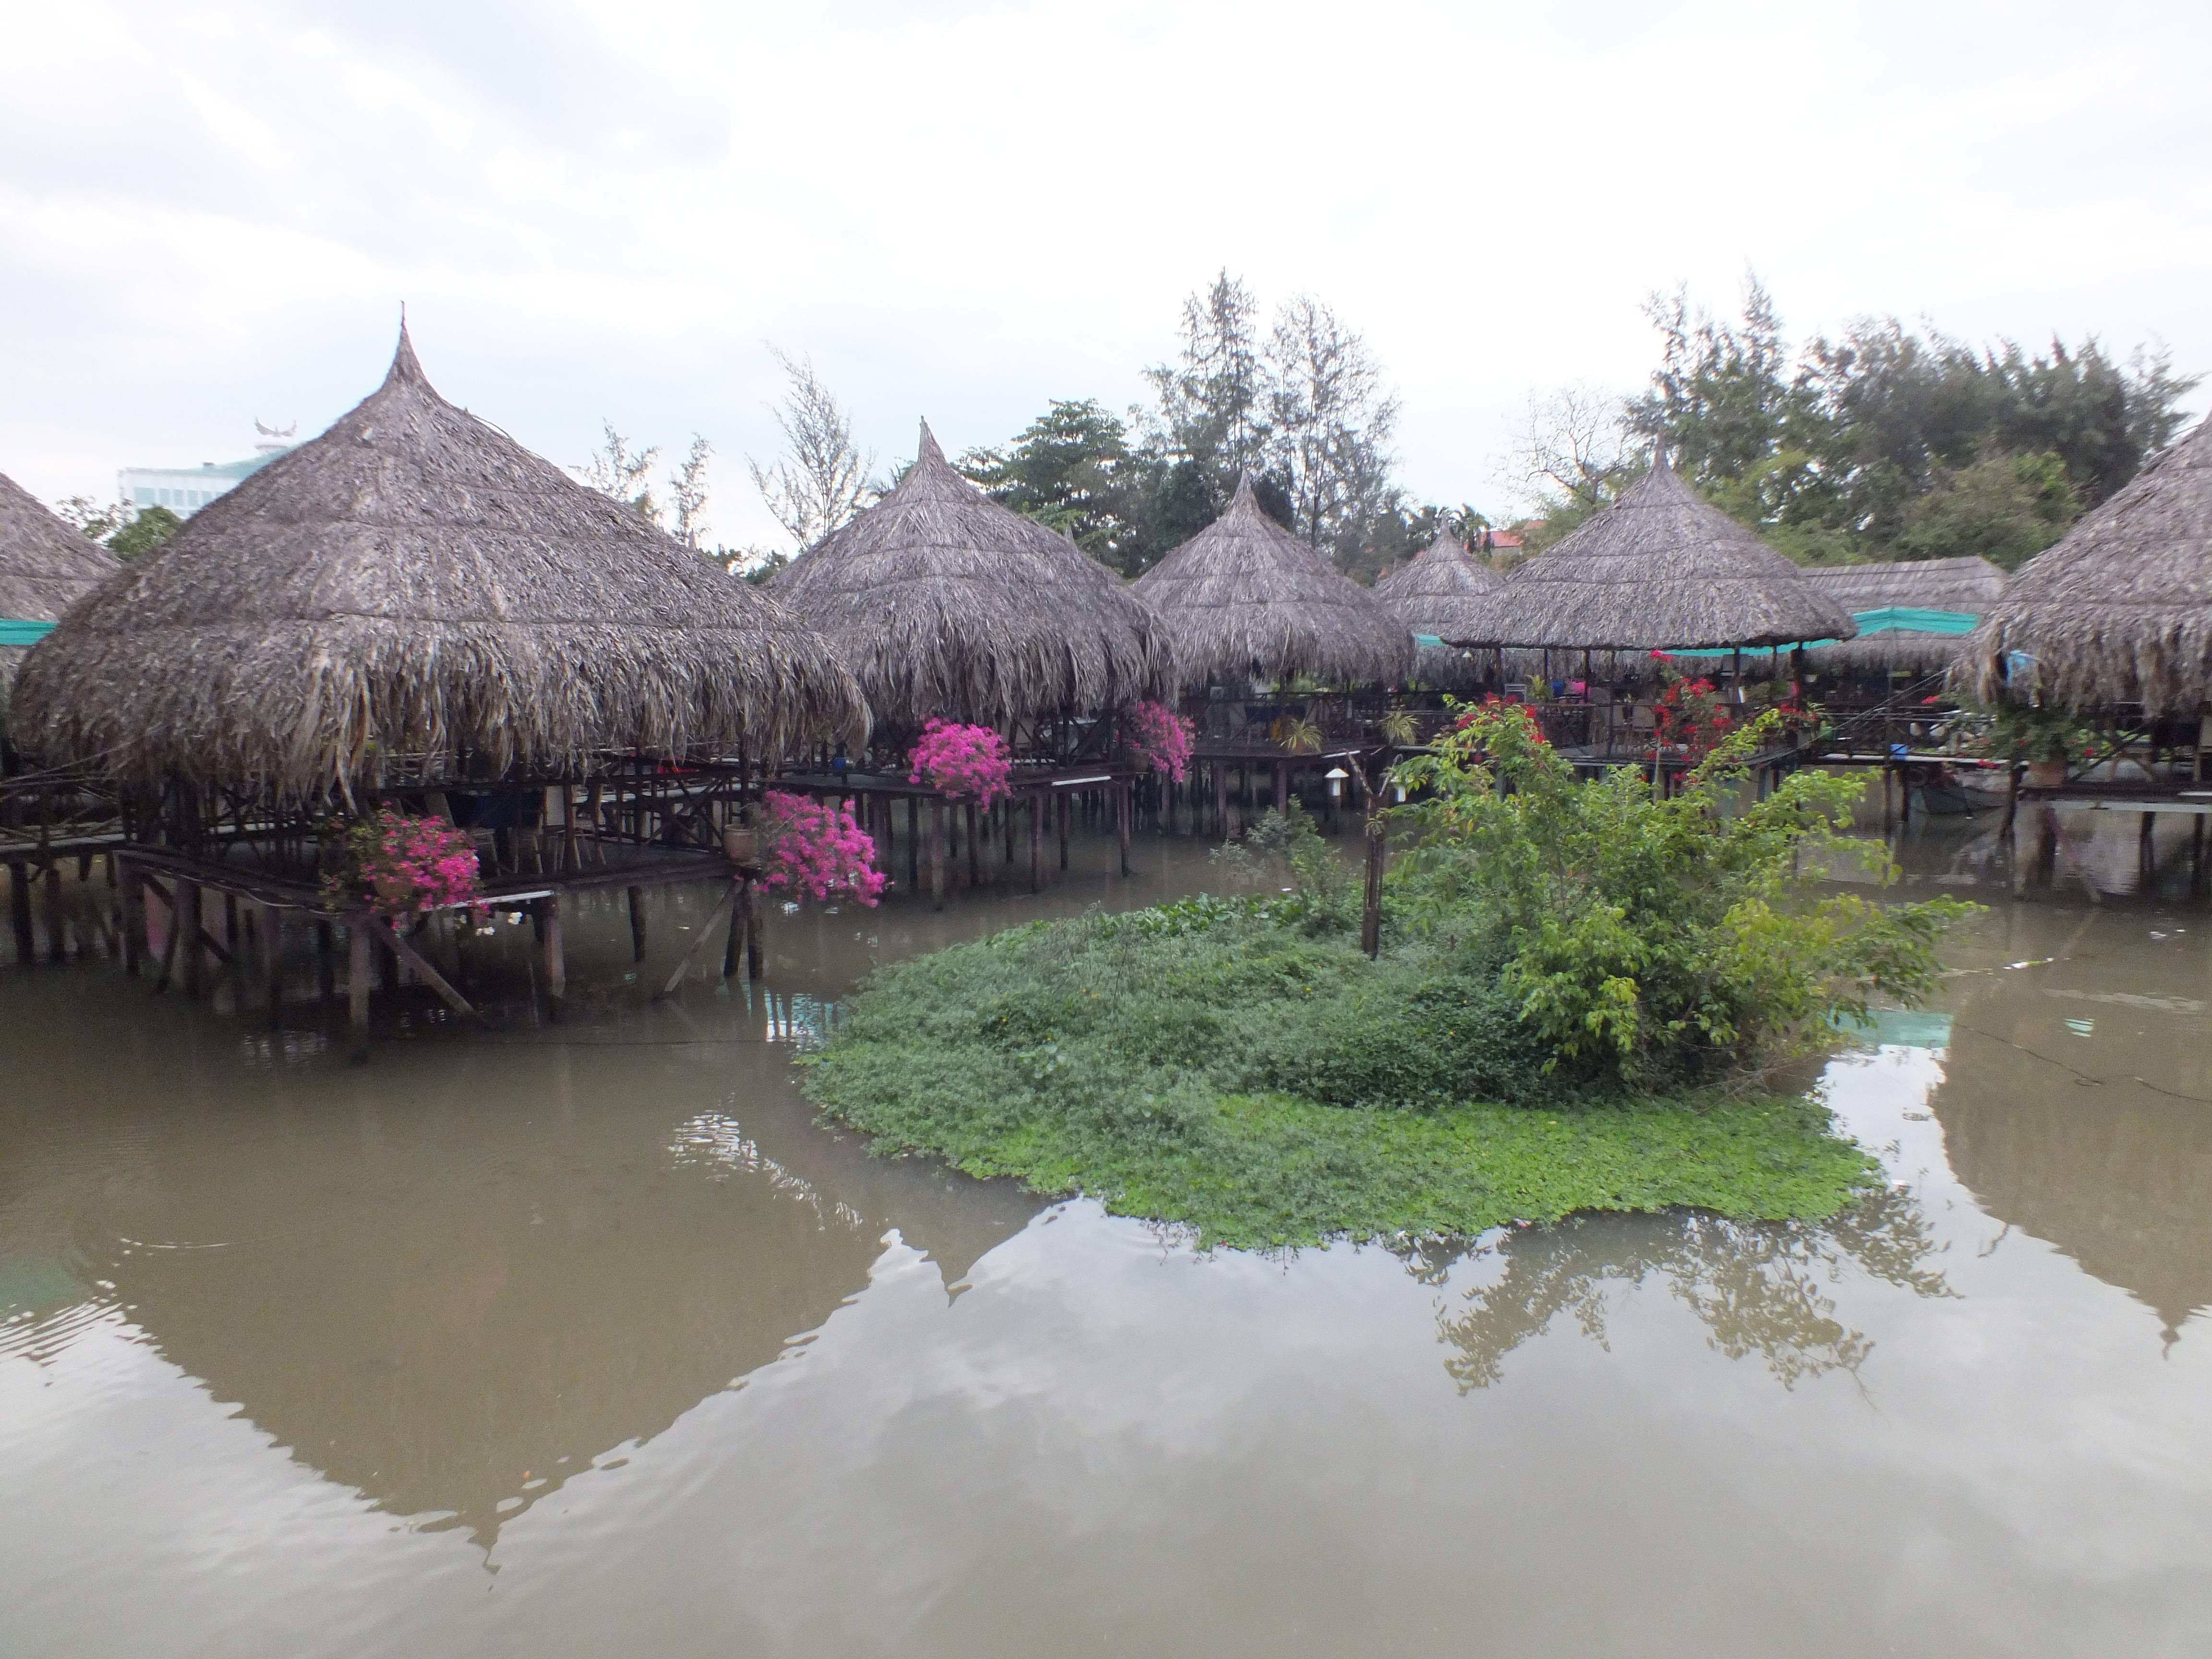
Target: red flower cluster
[1690,713]
[409,866]
[815,848]
[963,761]
[1158,738]
[1496,705]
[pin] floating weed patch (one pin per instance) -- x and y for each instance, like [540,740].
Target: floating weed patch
[1212,1068]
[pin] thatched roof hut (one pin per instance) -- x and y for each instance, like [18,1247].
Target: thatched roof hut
[943,602]
[1663,567]
[2120,610]
[1446,592]
[1247,601]
[1966,587]
[46,567]
[415,585]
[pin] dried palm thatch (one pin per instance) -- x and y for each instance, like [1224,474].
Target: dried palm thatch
[943,602]
[1969,587]
[1248,602]
[46,567]
[1662,567]
[1445,590]
[2120,610]
[414,584]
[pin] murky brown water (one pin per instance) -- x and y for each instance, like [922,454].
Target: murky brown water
[586,1341]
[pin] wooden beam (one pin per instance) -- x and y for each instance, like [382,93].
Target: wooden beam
[430,976]
[556,961]
[19,911]
[729,904]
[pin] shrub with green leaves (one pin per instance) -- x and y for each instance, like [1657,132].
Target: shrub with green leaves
[1669,939]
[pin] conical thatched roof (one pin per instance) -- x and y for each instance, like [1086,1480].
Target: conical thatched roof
[1661,567]
[1444,590]
[1247,601]
[1969,586]
[2120,610]
[46,567]
[943,602]
[415,583]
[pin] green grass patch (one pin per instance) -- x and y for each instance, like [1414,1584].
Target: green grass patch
[1209,1063]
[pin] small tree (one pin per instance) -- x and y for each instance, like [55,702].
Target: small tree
[1656,938]
[823,480]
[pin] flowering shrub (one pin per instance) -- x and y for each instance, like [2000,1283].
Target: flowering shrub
[1158,738]
[810,847]
[1691,716]
[409,866]
[963,761]
[1493,708]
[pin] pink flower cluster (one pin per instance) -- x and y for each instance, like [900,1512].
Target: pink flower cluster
[1159,738]
[963,761]
[409,865]
[815,848]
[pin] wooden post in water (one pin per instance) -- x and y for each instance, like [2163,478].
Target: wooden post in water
[556,957]
[19,912]
[1062,809]
[740,921]
[272,962]
[191,948]
[1125,793]
[1282,786]
[1005,808]
[134,916]
[1221,799]
[936,853]
[2146,850]
[56,928]
[636,924]
[1037,806]
[358,967]
[326,963]
[974,865]
[752,902]
[913,843]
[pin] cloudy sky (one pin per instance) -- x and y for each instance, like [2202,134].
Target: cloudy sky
[210,213]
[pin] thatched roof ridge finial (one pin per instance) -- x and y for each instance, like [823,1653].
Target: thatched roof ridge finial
[942,601]
[414,586]
[406,368]
[1663,567]
[2119,610]
[1246,600]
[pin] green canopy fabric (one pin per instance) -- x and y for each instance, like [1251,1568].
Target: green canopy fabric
[13,632]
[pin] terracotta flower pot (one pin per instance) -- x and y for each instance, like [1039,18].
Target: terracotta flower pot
[741,846]
[2046,775]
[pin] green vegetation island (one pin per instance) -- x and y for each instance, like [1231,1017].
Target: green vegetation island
[1583,994]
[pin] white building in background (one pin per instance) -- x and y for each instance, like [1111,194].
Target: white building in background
[186,489]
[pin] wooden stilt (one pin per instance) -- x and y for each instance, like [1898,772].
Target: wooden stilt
[1221,799]
[359,968]
[913,843]
[636,924]
[191,944]
[326,963]
[19,912]
[974,865]
[1125,797]
[556,955]
[1282,786]
[752,902]
[740,921]
[134,916]
[272,962]
[2146,848]
[1038,804]
[1370,909]
[56,924]
[937,853]
[1061,808]
[729,904]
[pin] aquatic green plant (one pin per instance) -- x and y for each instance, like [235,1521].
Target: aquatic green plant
[1202,1063]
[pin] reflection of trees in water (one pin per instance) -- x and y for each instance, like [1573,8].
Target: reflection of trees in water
[1759,1288]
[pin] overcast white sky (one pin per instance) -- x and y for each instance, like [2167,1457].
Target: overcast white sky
[211,212]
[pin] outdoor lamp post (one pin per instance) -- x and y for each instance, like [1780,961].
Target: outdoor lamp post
[1335,776]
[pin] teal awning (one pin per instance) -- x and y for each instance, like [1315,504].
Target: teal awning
[1896,618]
[1426,638]
[23,633]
